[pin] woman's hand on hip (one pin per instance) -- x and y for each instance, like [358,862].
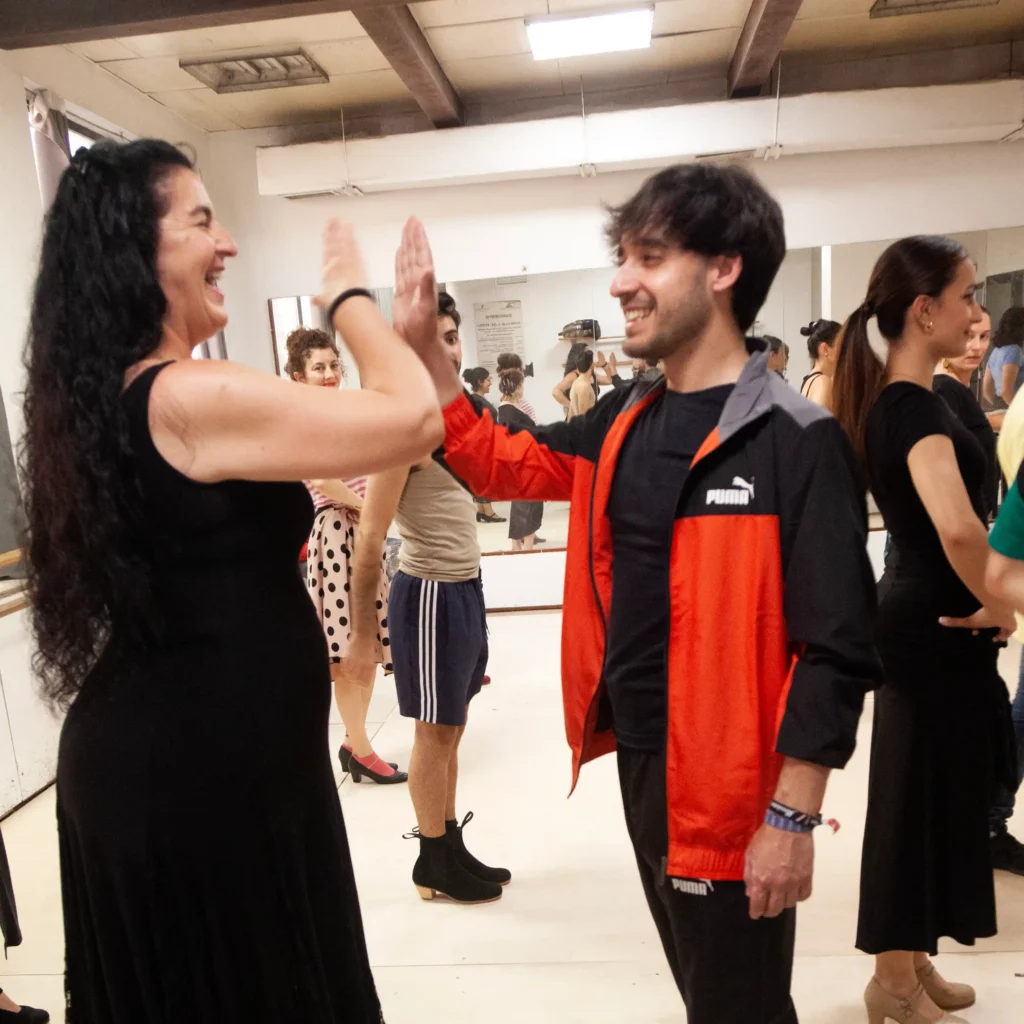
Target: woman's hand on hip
[990,617]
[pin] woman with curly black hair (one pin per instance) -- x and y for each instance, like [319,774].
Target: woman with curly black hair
[204,864]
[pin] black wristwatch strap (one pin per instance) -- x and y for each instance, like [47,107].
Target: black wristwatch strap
[344,297]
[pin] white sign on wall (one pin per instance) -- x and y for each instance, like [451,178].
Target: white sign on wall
[499,328]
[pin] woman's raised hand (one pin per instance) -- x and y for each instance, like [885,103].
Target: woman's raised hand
[415,302]
[343,262]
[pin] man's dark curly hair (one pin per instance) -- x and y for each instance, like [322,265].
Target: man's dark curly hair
[97,310]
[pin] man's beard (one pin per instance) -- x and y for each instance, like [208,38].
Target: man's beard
[679,326]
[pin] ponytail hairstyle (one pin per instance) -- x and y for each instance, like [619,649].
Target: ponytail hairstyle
[301,342]
[575,351]
[818,333]
[475,376]
[510,381]
[920,265]
[97,310]
[509,361]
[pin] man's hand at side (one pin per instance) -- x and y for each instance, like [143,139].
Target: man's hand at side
[779,870]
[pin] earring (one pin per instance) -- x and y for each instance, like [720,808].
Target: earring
[945,364]
[929,326]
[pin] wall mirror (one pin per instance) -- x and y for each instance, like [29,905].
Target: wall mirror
[540,318]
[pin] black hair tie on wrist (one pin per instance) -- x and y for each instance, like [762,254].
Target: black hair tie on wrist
[352,293]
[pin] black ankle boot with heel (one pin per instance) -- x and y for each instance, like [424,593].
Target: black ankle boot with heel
[437,872]
[454,831]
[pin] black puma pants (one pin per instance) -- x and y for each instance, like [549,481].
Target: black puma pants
[728,968]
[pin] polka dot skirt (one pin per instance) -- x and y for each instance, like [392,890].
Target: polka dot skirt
[329,576]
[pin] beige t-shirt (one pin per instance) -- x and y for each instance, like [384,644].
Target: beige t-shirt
[437,521]
[581,397]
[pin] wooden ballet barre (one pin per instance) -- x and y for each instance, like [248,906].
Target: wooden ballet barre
[9,558]
[11,607]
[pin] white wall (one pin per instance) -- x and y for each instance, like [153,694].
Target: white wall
[20,220]
[546,225]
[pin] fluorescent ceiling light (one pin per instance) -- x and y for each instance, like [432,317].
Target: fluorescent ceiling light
[598,33]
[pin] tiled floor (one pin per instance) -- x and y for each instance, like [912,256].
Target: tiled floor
[571,942]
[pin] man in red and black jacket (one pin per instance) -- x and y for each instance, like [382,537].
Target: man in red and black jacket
[718,596]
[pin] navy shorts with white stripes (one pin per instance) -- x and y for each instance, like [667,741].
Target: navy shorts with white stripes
[438,646]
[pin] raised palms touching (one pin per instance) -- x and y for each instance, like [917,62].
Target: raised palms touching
[415,302]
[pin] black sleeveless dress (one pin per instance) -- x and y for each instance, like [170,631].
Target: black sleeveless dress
[926,870]
[204,863]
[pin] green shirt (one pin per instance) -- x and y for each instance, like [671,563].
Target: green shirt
[1007,536]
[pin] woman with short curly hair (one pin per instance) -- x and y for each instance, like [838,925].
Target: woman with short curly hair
[313,359]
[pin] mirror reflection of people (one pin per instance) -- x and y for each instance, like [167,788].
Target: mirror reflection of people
[823,348]
[952,381]
[1002,375]
[778,355]
[526,516]
[479,380]
[511,361]
[205,869]
[606,374]
[582,397]
[313,359]
[933,764]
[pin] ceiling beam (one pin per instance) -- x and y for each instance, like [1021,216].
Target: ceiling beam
[760,43]
[399,37]
[51,22]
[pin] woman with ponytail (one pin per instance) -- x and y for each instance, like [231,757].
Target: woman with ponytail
[823,338]
[926,870]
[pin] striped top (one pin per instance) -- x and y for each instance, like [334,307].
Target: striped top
[321,501]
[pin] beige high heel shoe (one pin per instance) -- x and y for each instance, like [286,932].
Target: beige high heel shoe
[884,1008]
[956,997]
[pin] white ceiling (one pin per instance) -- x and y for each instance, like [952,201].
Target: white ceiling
[482,46]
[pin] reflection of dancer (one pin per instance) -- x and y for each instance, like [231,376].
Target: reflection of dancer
[205,871]
[479,381]
[526,516]
[606,374]
[926,869]
[313,359]
[823,348]
[581,396]
[438,640]
[715,644]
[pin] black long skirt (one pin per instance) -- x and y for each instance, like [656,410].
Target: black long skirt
[938,729]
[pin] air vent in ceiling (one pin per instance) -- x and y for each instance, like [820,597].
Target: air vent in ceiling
[891,8]
[259,71]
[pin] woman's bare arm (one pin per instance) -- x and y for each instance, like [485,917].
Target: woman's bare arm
[338,491]
[988,386]
[216,420]
[565,384]
[1009,381]
[937,480]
